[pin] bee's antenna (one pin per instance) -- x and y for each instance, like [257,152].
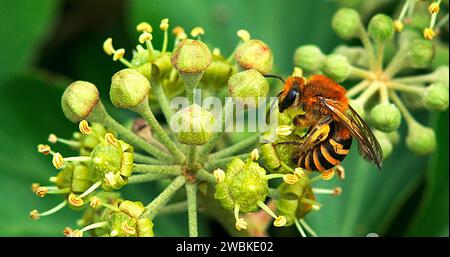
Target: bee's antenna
[274,76]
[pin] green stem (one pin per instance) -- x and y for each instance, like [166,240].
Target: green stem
[142,178]
[190,83]
[192,156]
[405,113]
[126,62]
[204,175]
[367,44]
[384,95]
[368,93]
[153,207]
[274,193]
[220,163]
[172,170]
[173,208]
[71,143]
[233,149]
[158,91]
[272,176]
[140,158]
[144,110]
[430,77]
[379,60]
[361,73]
[397,63]
[407,88]
[358,88]
[100,115]
[209,146]
[191,193]
[299,228]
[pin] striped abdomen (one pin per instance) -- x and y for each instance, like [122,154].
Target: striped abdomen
[327,154]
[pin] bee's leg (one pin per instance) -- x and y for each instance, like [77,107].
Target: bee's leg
[320,131]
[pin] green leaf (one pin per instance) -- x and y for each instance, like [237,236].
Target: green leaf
[432,216]
[24,26]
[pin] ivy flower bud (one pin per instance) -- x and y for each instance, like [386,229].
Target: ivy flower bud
[309,58]
[254,54]
[128,88]
[193,125]
[420,140]
[385,143]
[247,87]
[79,100]
[421,53]
[436,97]
[191,57]
[346,23]
[336,67]
[385,117]
[381,28]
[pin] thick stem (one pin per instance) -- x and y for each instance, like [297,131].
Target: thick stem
[153,207]
[100,115]
[191,193]
[379,60]
[233,149]
[139,158]
[368,93]
[192,156]
[173,208]
[407,88]
[144,110]
[142,178]
[397,63]
[384,95]
[430,77]
[361,73]
[158,91]
[208,147]
[404,111]
[172,170]
[204,175]
[190,83]
[367,44]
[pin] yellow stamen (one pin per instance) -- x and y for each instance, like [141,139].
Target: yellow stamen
[145,36]
[177,31]
[429,33]
[58,160]
[110,178]
[67,231]
[44,149]
[299,172]
[34,187]
[433,8]
[75,200]
[216,51]
[283,130]
[290,179]
[240,224]
[398,25]
[280,221]
[95,202]
[337,191]
[164,24]
[84,127]
[254,155]
[128,229]
[108,46]
[110,139]
[243,34]
[219,174]
[144,27]
[52,138]
[328,174]
[197,31]
[34,215]
[41,191]
[118,54]
[76,233]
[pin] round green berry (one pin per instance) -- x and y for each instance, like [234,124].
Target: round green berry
[386,117]
[346,23]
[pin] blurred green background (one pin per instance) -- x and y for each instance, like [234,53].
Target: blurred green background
[47,44]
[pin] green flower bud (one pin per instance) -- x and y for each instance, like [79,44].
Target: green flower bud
[246,87]
[336,67]
[354,54]
[75,176]
[346,23]
[394,137]
[386,117]
[421,53]
[217,75]
[381,28]
[420,140]
[309,58]
[79,100]
[244,184]
[442,75]
[436,97]
[128,88]
[269,156]
[191,57]
[193,125]
[163,62]
[113,163]
[385,143]
[254,54]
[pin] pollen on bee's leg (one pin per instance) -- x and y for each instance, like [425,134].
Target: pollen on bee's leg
[279,221]
[34,214]
[240,222]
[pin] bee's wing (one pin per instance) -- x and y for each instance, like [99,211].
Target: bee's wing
[368,146]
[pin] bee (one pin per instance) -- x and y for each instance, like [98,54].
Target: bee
[332,123]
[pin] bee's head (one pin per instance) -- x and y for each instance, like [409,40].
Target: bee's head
[290,95]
